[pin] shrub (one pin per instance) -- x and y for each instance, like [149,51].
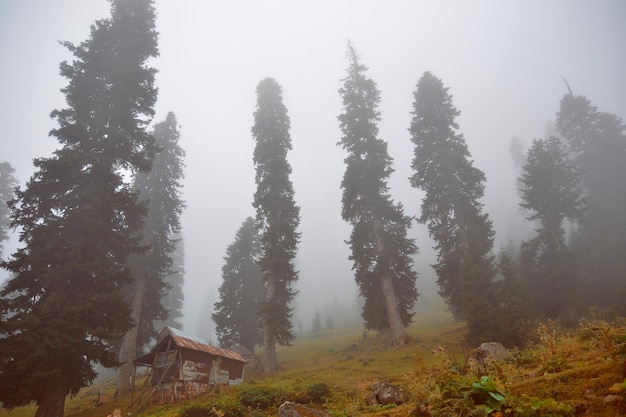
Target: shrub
[260,397]
[197,410]
[317,392]
[227,406]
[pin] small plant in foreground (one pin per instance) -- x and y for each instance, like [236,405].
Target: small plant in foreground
[260,397]
[552,352]
[317,392]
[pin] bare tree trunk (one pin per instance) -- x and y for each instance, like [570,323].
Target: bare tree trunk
[397,329]
[51,402]
[129,348]
[269,361]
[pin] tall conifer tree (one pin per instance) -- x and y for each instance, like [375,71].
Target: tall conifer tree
[381,251]
[277,217]
[160,189]
[236,314]
[451,207]
[551,192]
[64,309]
[597,142]
[174,298]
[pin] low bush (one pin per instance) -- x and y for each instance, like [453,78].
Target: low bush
[260,397]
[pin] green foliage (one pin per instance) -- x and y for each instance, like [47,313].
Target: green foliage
[487,392]
[198,411]
[446,391]
[277,214]
[64,309]
[218,408]
[160,188]
[381,251]
[597,142]
[241,293]
[531,406]
[451,207]
[552,193]
[317,392]
[260,397]
[512,321]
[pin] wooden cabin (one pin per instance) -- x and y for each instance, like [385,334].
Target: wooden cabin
[184,366]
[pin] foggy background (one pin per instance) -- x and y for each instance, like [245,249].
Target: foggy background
[502,62]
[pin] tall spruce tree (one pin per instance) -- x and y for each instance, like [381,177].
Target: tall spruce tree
[174,298]
[451,207]
[7,192]
[552,193]
[597,142]
[236,313]
[160,189]
[381,251]
[277,217]
[64,309]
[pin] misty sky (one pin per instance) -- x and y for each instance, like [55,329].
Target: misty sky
[502,61]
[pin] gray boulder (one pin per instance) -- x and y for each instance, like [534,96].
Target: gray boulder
[384,393]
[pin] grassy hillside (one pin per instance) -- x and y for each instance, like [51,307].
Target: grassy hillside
[559,374]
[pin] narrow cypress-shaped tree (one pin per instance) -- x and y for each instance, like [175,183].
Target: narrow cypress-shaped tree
[451,207]
[236,313]
[551,191]
[597,142]
[160,189]
[277,217]
[7,192]
[381,251]
[64,309]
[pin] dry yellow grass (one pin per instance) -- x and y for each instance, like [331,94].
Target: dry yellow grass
[578,369]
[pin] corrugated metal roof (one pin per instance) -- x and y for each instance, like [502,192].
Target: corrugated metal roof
[191,344]
[187,341]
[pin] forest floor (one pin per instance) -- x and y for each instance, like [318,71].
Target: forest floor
[580,372]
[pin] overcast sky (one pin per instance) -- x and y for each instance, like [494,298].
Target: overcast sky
[502,62]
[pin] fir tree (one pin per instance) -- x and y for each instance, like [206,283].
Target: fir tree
[381,251]
[277,217]
[552,193]
[160,189]
[64,309]
[236,313]
[173,299]
[597,143]
[451,206]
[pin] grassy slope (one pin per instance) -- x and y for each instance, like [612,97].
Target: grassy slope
[578,370]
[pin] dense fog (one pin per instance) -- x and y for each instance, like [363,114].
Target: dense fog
[502,61]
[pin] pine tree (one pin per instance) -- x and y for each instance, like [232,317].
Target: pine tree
[451,206]
[173,299]
[64,309]
[512,312]
[7,188]
[597,142]
[236,313]
[160,189]
[381,251]
[552,193]
[277,217]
